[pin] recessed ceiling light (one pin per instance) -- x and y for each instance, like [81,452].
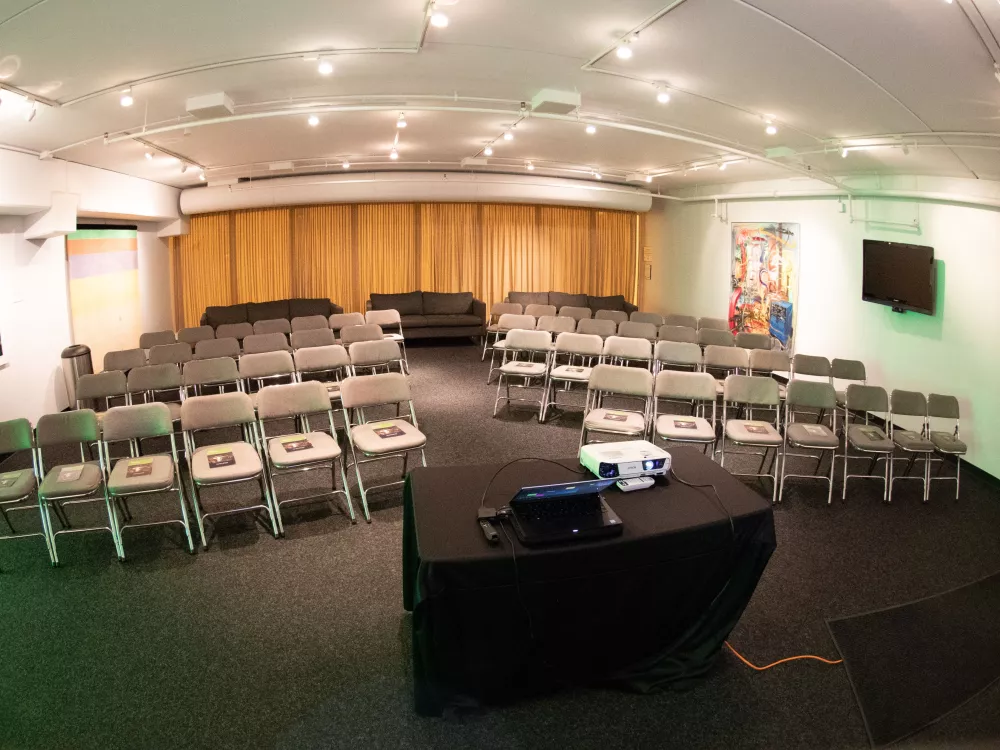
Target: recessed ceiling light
[439,20]
[624,52]
[401,122]
[149,155]
[591,129]
[649,178]
[127,100]
[313,120]
[201,176]
[488,151]
[597,175]
[508,136]
[633,38]
[394,154]
[843,153]
[530,167]
[949,1]
[722,167]
[771,130]
[325,67]
[662,97]
[346,164]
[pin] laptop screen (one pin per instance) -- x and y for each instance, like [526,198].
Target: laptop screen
[567,489]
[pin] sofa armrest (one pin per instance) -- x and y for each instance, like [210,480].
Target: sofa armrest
[204,319]
[630,308]
[479,309]
[336,309]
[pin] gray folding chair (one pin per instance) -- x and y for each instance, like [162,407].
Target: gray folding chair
[101,389]
[677,355]
[634,330]
[716,324]
[538,311]
[178,354]
[17,486]
[272,325]
[715,337]
[392,328]
[654,319]
[215,375]
[267,368]
[597,327]
[328,365]
[946,443]
[141,474]
[312,337]
[385,438]
[697,389]
[368,357]
[217,464]
[238,331]
[580,351]
[72,484]
[867,438]
[815,437]
[747,340]
[261,343]
[498,309]
[748,392]
[682,321]
[306,450]
[680,334]
[555,324]
[215,348]
[191,336]
[914,443]
[576,313]
[807,365]
[847,371]
[156,338]
[157,383]
[620,350]
[619,383]
[508,322]
[768,362]
[339,321]
[725,361]
[367,332]
[618,316]
[521,355]
[310,323]
[124,360]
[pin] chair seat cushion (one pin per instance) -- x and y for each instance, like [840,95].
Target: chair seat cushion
[412,321]
[246,463]
[946,442]
[323,448]
[524,369]
[160,476]
[811,435]
[17,484]
[450,321]
[683,428]
[389,436]
[912,442]
[88,481]
[752,432]
[572,372]
[616,420]
[868,437]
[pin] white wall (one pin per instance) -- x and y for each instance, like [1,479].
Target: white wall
[953,352]
[154,281]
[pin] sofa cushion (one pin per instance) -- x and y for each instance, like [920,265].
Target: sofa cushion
[447,321]
[412,321]
[441,303]
[220,315]
[561,299]
[614,302]
[267,310]
[303,308]
[528,298]
[411,303]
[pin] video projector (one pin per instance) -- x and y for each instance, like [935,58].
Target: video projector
[633,458]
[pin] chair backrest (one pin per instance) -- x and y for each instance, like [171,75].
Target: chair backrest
[156,338]
[193,335]
[16,435]
[555,324]
[266,364]
[726,358]
[310,323]
[259,343]
[635,330]
[579,343]
[942,407]
[321,358]
[597,327]
[538,311]
[806,364]
[312,337]
[509,321]
[139,421]
[212,348]
[383,317]
[717,324]
[238,331]
[210,371]
[67,427]
[867,398]
[281,401]
[367,332]
[342,320]
[753,340]
[367,353]
[686,321]
[715,337]
[576,313]
[848,369]
[677,333]
[535,341]
[217,410]
[272,325]
[908,403]
[627,381]
[505,308]
[628,348]
[618,316]
[696,386]
[101,385]
[769,360]
[814,394]
[163,377]
[371,390]
[178,353]
[751,389]
[646,317]
[678,353]
[124,359]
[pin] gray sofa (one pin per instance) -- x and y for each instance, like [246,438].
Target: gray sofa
[426,315]
[561,299]
[251,312]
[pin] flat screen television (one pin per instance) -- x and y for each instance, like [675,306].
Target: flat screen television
[899,275]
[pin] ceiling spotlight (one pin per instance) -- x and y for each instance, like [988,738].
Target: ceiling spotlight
[401,122]
[662,97]
[633,38]
[624,52]
[508,136]
[649,178]
[184,168]
[394,154]
[770,129]
[346,164]
[488,151]
[722,167]
[30,109]
[313,120]
[597,175]
[843,153]
[949,1]
[149,156]
[201,176]
[591,129]
[906,150]
[439,20]
[530,167]
[127,100]
[325,67]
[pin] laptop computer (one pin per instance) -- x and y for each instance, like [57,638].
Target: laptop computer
[552,513]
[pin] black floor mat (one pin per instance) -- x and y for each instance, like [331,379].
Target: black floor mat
[910,665]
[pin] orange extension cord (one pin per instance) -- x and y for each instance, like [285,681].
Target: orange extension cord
[780,661]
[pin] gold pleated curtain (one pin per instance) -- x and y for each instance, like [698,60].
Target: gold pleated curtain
[323,258]
[202,270]
[262,257]
[450,248]
[387,248]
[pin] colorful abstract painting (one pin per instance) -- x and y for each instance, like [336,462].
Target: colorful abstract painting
[765,275]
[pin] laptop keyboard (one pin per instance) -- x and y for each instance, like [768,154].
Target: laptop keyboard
[558,508]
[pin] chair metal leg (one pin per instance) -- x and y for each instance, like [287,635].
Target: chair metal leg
[361,486]
[496,404]
[50,537]
[271,504]
[958,475]
[347,490]
[199,516]
[184,515]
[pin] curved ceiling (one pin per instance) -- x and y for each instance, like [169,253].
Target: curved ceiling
[899,86]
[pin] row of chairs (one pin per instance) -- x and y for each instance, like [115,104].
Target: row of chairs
[265,452]
[617,316]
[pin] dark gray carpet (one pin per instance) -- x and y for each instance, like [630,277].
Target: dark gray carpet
[303,643]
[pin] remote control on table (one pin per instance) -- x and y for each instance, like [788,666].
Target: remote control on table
[636,483]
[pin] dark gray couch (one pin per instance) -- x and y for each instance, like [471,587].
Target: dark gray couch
[426,315]
[251,312]
[561,299]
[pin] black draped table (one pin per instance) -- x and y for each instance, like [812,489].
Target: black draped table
[640,612]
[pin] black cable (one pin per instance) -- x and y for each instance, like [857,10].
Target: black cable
[718,499]
[489,485]
[517,582]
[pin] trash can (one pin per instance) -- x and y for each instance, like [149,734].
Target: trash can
[75,362]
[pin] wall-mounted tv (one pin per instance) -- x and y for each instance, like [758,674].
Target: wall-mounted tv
[899,275]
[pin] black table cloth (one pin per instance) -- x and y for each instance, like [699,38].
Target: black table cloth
[642,611]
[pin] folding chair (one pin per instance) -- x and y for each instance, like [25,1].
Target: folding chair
[373,355]
[100,389]
[807,365]
[945,443]
[694,388]
[602,328]
[312,337]
[498,309]
[178,354]
[654,319]
[755,341]
[677,355]
[555,324]
[619,350]
[530,372]
[216,374]
[715,324]
[750,391]
[223,463]
[156,338]
[262,343]
[725,360]
[572,346]
[681,321]
[238,331]
[17,486]
[815,437]
[576,313]
[508,322]
[157,383]
[328,365]
[124,360]
[618,316]
[310,323]
[539,311]
[272,325]
[680,334]
[867,438]
[715,337]
[72,484]
[389,319]
[385,438]
[768,362]
[141,474]
[367,332]
[214,348]
[849,370]
[619,382]
[339,321]
[629,330]
[191,336]
[307,450]
[915,443]
[267,368]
